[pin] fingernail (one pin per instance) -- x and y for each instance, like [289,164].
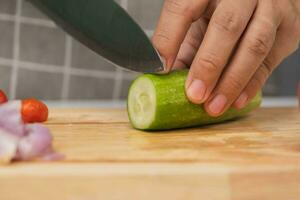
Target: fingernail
[164,71]
[167,64]
[241,101]
[196,91]
[217,105]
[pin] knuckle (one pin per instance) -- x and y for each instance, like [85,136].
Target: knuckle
[209,64]
[258,80]
[228,22]
[262,74]
[234,83]
[180,7]
[276,10]
[261,43]
[160,42]
[160,38]
[267,67]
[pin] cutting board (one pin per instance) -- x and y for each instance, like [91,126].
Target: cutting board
[254,158]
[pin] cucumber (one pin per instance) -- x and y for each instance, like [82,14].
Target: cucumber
[158,102]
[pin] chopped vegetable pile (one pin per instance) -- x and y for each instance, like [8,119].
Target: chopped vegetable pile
[21,137]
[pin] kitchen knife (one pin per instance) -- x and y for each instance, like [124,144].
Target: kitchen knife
[106,28]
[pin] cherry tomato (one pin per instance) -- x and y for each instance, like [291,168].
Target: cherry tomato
[3,97]
[34,111]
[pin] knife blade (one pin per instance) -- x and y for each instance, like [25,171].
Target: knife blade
[107,29]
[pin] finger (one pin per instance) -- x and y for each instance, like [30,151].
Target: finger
[253,49]
[256,83]
[175,20]
[280,50]
[224,30]
[298,92]
[211,7]
[190,45]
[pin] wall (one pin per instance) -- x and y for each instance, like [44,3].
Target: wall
[38,59]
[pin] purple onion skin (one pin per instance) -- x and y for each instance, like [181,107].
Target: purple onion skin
[11,119]
[31,141]
[36,143]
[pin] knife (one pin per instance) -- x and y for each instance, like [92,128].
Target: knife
[106,28]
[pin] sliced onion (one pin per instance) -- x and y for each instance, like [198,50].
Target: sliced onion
[19,141]
[8,146]
[37,142]
[11,119]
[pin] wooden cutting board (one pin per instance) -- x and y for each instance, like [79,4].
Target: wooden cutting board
[253,158]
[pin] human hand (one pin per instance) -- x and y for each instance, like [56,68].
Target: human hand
[231,46]
[298,92]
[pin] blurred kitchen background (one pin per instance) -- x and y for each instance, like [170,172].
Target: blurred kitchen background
[37,59]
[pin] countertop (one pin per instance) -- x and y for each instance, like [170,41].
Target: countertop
[255,157]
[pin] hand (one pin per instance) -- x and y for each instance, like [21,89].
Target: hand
[299,94]
[231,46]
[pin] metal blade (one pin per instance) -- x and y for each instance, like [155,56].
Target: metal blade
[106,28]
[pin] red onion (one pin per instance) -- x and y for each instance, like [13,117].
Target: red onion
[8,146]
[20,141]
[10,118]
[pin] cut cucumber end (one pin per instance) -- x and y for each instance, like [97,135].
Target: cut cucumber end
[142,103]
[158,102]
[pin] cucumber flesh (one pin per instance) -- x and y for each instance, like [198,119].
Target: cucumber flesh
[158,102]
[142,100]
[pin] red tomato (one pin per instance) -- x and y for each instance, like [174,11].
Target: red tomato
[3,97]
[34,111]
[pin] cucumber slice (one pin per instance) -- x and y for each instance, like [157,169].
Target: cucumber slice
[158,102]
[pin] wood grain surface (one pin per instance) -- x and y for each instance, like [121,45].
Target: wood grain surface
[255,157]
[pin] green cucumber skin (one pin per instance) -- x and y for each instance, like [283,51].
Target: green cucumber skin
[174,110]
